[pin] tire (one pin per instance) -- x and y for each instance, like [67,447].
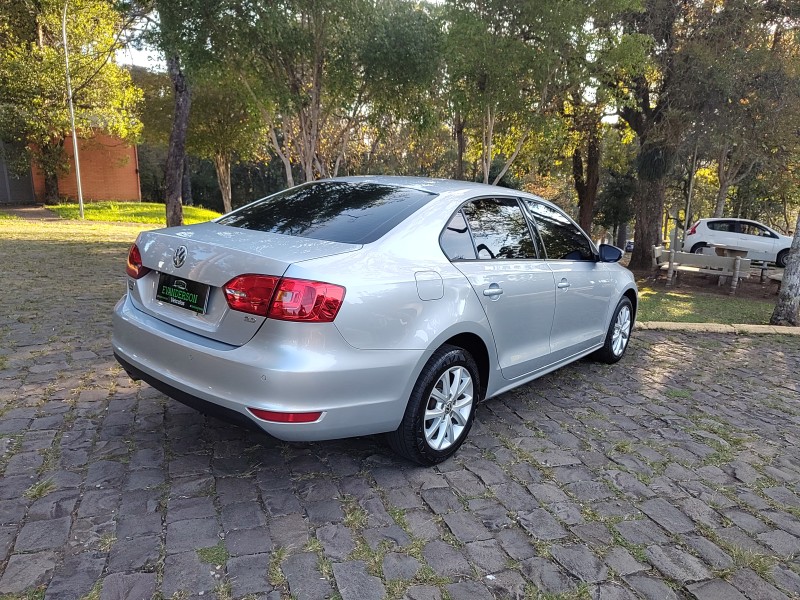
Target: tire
[618,335]
[698,247]
[424,440]
[783,256]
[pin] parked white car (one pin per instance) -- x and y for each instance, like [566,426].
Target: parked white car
[762,242]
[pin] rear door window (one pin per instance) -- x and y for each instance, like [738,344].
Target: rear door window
[724,226]
[499,229]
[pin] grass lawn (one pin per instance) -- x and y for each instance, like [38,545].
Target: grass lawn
[131,212]
[691,306]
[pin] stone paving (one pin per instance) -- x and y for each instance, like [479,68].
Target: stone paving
[674,474]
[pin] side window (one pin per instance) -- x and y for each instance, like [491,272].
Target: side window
[753,229]
[499,229]
[456,241]
[724,226]
[561,238]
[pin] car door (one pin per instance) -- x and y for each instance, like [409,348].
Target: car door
[759,241]
[585,287]
[490,242]
[722,231]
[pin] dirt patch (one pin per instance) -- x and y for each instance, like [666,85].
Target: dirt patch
[751,287]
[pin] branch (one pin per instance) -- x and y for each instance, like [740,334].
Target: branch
[511,159]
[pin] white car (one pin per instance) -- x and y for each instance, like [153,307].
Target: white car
[762,242]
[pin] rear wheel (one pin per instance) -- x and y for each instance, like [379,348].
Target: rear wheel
[619,333]
[783,256]
[698,247]
[441,408]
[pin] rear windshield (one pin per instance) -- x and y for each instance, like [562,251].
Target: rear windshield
[336,211]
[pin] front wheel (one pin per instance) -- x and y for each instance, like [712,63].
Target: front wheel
[441,408]
[783,256]
[619,333]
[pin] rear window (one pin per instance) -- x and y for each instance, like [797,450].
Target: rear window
[336,211]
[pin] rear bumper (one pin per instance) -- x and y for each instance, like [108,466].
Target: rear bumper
[200,405]
[286,367]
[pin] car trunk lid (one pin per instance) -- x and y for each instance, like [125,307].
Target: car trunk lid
[190,266]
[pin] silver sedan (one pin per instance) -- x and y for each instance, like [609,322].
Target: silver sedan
[357,306]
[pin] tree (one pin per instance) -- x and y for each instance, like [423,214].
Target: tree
[503,62]
[182,30]
[746,89]
[32,79]
[786,310]
[224,125]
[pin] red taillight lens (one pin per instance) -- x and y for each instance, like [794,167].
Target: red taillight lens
[250,293]
[311,301]
[693,230]
[284,299]
[279,417]
[135,267]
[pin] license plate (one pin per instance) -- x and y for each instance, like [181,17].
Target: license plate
[184,293]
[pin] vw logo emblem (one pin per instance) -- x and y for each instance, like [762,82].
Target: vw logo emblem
[180,257]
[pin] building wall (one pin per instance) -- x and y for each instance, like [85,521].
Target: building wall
[109,171]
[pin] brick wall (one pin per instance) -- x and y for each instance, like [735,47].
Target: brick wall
[109,171]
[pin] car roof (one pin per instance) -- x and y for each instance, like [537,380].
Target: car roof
[431,184]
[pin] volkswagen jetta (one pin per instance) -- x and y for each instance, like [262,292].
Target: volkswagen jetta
[357,306]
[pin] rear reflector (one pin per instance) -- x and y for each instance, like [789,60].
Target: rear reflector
[279,417]
[284,299]
[135,268]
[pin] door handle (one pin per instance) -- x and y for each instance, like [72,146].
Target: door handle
[493,291]
[563,284]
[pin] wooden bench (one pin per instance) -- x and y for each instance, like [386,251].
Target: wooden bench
[723,267]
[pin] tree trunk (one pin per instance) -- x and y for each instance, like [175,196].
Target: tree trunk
[648,208]
[622,235]
[461,145]
[722,195]
[786,310]
[186,184]
[587,180]
[50,159]
[50,187]
[222,163]
[177,142]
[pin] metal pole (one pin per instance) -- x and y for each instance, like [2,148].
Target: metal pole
[72,111]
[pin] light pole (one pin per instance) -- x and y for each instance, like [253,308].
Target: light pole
[72,111]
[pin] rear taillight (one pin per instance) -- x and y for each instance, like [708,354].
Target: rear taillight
[281,417]
[284,299]
[250,293]
[300,300]
[693,230]
[135,267]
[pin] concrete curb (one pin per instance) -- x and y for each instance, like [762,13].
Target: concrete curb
[717,328]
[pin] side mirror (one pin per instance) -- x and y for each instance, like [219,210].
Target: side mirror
[609,254]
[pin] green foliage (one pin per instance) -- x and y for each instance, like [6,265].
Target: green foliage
[32,77]
[402,58]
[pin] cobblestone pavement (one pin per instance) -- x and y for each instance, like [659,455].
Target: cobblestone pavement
[674,474]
